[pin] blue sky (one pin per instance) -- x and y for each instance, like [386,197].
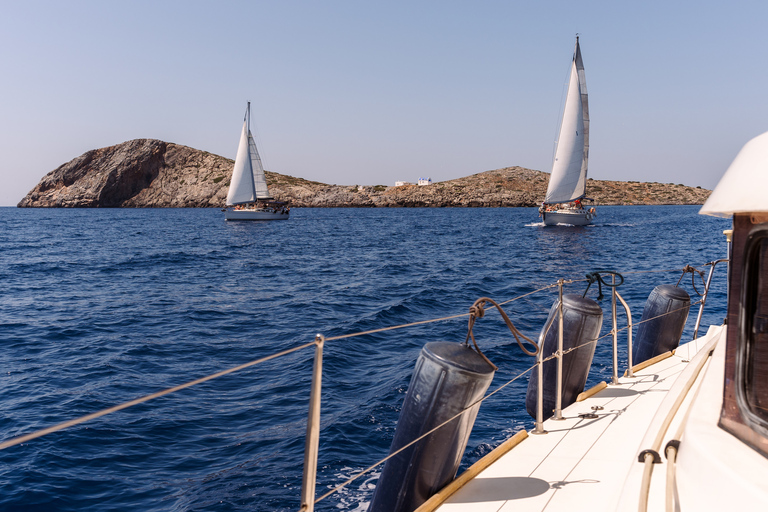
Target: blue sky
[358,92]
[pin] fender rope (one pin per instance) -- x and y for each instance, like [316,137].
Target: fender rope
[477,311]
[693,272]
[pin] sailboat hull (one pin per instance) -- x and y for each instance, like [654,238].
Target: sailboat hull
[570,217]
[254,214]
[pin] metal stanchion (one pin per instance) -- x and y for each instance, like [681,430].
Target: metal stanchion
[313,431]
[704,297]
[539,425]
[615,378]
[559,390]
[629,335]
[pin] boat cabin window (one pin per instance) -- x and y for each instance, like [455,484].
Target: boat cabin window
[752,360]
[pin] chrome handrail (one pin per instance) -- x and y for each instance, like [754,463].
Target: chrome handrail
[559,390]
[539,423]
[629,333]
[704,297]
[614,332]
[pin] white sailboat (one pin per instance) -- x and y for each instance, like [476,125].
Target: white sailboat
[248,197]
[568,180]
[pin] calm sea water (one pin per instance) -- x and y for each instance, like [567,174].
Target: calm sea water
[101,306]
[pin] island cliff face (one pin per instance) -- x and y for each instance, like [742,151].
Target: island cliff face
[146,173]
[137,173]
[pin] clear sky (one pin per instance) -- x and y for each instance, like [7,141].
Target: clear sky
[362,92]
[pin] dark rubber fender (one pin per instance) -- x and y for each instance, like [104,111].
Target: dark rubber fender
[582,320]
[662,323]
[447,379]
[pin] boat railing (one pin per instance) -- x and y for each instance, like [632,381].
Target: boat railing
[308,498]
[703,301]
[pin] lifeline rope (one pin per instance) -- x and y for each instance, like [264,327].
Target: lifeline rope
[620,329]
[61,426]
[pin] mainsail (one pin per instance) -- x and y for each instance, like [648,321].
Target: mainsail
[569,170]
[259,179]
[241,189]
[248,180]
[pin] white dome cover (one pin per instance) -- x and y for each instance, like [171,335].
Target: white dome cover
[744,186]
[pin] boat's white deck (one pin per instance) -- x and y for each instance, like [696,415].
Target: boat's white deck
[583,463]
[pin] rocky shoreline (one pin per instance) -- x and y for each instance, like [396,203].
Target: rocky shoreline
[147,173]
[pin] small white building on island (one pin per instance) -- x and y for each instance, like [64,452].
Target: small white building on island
[422,182]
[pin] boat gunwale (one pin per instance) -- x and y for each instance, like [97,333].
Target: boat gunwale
[473,471]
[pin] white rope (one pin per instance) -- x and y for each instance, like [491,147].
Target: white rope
[61,426]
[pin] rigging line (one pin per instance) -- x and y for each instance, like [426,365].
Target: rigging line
[658,316]
[568,351]
[553,285]
[619,329]
[393,327]
[61,426]
[653,271]
[368,469]
[422,322]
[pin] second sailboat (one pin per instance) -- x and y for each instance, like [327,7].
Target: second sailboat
[248,197]
[568,180]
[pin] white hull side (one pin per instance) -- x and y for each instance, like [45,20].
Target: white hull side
[572,217]
[254,215]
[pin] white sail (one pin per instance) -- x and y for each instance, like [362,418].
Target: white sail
[259,179]
[569,170]
[241,189]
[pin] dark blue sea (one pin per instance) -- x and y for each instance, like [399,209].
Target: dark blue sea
[101,306]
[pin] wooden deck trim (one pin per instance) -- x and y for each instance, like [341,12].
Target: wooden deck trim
[475,469]
[649,362]
[591,391]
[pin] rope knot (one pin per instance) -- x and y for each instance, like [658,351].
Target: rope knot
[693,271]
[476,310]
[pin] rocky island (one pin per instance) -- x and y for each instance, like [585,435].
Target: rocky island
[147,173]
